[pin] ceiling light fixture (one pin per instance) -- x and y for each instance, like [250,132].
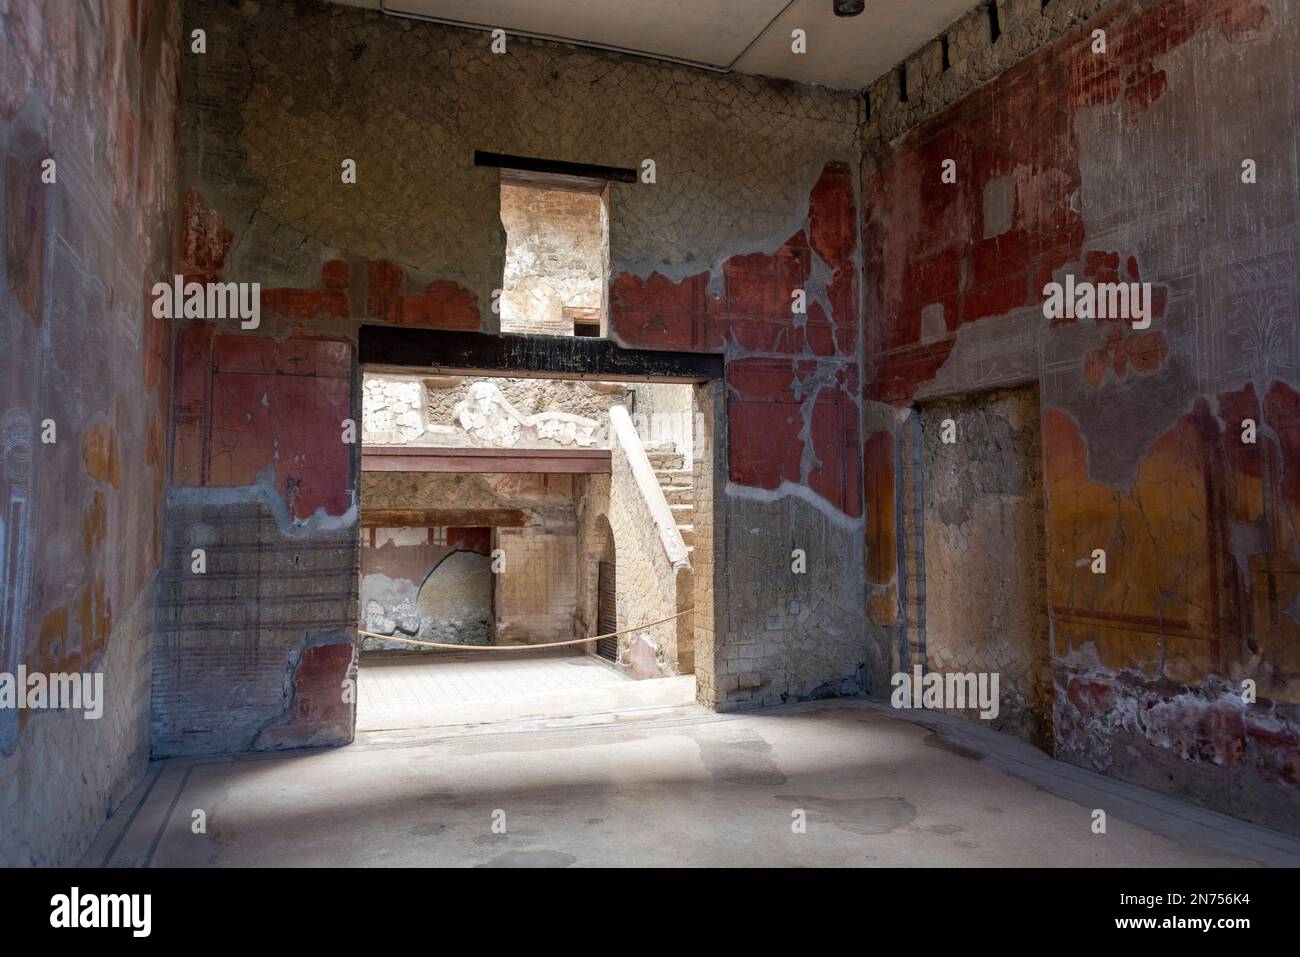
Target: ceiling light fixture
[849,8]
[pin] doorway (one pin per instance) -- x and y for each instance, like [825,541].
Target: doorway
[975,550]
[607,617]
[585,473]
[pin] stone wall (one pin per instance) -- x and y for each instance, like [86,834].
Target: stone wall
[411,102]
[789,455]
[754,196]
[963,58]
[1122,165]
[233,673]
[502,413]
[255,652]
[648,579]
[537,595]
[92,88]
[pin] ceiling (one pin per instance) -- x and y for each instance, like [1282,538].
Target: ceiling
[748,36]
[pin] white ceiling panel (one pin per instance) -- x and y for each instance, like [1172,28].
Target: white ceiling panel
[692,30]
[750,36]
[848,52]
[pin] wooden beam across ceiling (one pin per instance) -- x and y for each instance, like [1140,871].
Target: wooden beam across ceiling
[406,458]
[444,518]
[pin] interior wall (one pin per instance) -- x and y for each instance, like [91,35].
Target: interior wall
[428,584]
[536,595]
[84,397]
[753,196]
[255,653]
[411,102]
[1125,166]
[537,589]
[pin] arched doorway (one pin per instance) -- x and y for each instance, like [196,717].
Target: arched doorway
[606,595]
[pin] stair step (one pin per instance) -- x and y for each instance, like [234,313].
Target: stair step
[683,511]
[688,534]
[679,495]
[674,477]
[666,460]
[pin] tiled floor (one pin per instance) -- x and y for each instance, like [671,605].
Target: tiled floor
[397,688]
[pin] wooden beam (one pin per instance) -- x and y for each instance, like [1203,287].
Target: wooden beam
[535,164]
[443,517]
[402,349]
[407,458]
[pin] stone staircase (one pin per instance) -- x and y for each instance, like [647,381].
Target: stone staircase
[678,487]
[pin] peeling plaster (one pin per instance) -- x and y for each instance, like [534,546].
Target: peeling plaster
[265,492]
[789,489]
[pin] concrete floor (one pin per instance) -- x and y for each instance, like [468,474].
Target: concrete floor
[658,784]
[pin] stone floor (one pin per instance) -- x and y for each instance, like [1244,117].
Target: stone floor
[653,782]
[405,690]
[391,687]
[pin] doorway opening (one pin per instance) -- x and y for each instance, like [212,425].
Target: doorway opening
[507,511]
[607,595]
[975,551]
[557,254]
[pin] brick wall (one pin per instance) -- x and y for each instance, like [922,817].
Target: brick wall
[536,596]
[225,665]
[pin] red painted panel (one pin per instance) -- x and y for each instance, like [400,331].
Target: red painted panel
[835,443]
[754,316]
[832,215]
[205,239]
[764,421]
[656,313]
[245,403]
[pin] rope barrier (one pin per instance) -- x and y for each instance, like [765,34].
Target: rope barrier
[551,644]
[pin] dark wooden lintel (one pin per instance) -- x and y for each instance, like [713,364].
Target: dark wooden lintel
[443,518]
[521,356]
